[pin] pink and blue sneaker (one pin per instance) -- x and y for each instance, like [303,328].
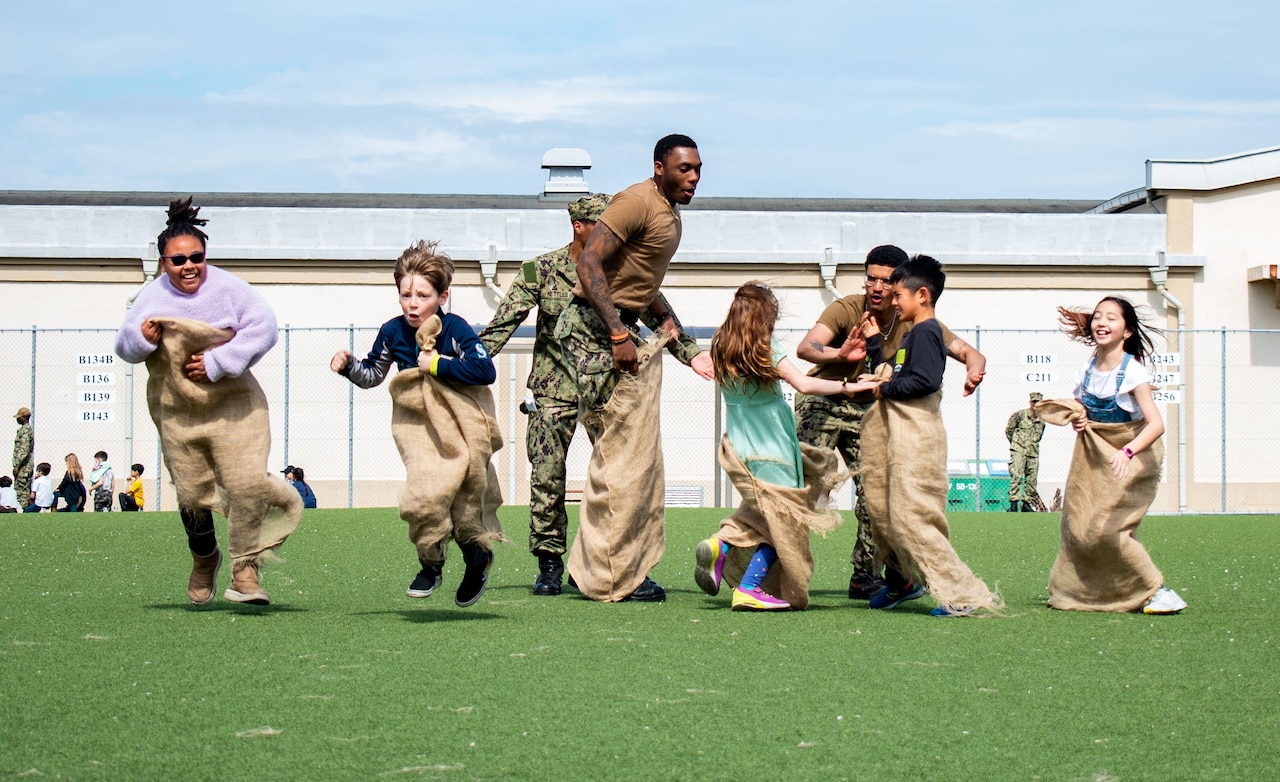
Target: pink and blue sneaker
[757,600]
[708,569]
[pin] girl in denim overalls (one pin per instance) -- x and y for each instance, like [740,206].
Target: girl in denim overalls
[1114,386]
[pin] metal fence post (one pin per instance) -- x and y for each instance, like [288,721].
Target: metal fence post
[715,462]
[1224,355]
[286,394]
[513,389]
[33,378]
[351,422]
[977,420]
[159,480]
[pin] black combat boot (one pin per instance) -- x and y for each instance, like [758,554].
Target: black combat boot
[1013,506]
[550,574]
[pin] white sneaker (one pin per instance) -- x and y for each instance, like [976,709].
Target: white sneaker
[1164,601]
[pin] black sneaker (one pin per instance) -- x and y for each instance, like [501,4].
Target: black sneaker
[425,582]
[863,588]
[476,575]
[550,574]
[648,592]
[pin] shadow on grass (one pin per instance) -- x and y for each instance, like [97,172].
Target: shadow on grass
[430,615]
[239,609]
[835,593]
[722,601]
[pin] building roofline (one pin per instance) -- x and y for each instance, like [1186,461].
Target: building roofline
[1122,203]
[160,199]
[1217,173]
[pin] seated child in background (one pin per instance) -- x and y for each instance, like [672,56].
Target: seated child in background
[905,457]
[71,491]
[41,490]
[8,496]
[103,483]
[297,477]
[132,499]
[422,277]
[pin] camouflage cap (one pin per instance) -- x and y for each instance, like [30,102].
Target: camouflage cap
[1036,396]
[588,207]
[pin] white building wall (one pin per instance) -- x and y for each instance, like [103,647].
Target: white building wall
[1234,230]
[75,267]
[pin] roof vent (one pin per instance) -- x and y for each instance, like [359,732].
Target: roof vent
[566,167]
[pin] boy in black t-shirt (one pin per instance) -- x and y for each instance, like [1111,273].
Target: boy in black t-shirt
[909,482]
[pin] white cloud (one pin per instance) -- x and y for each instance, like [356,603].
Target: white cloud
[1224,108]
[1021,130]
[508,100]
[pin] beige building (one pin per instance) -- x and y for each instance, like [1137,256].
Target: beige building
[1193,246]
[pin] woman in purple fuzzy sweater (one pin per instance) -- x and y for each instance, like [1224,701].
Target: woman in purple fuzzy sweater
[191,288]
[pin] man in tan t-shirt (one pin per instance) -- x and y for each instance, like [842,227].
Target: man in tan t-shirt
[836,422]
[620,271]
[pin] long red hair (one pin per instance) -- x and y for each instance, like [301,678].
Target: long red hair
[741,348]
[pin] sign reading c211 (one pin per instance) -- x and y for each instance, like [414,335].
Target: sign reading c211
[1038,368]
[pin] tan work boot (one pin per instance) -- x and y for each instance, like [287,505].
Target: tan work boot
[244,584]
[204,577]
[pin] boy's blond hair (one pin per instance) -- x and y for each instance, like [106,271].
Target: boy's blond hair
[423,259]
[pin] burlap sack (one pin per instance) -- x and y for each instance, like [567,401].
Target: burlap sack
[782,517]
[904,460]
[620,534]
[216,439]
[446,433]
[1101,566]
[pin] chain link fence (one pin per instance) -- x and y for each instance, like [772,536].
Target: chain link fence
[1221,430]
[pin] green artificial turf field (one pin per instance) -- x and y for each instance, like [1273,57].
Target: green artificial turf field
[106,671]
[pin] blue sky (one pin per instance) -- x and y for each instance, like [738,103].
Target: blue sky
[928,99]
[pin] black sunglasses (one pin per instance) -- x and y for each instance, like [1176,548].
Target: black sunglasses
[179,261]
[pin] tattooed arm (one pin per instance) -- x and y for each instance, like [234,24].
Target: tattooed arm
[816,346]
[601,246]
[975,364]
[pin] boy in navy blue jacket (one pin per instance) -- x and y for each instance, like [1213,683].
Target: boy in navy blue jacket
[423,283]
[422,276]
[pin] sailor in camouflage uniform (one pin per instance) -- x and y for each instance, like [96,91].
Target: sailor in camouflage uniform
[1024,431]
[547,283]
[24,446]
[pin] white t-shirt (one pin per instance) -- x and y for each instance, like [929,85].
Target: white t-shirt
[43,487]
[1103,384]
[9,498]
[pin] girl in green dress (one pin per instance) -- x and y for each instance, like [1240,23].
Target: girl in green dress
[761,433]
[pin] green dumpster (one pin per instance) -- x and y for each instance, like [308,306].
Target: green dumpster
[995,493]
[962,492]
